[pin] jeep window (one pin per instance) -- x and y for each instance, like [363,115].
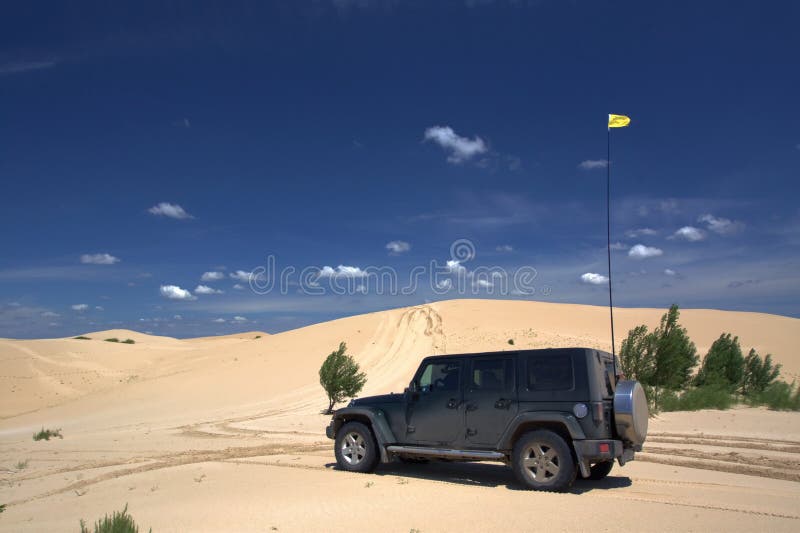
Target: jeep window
[550,372]
[492,374]
[440,377]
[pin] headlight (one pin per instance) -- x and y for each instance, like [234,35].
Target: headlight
[580,410]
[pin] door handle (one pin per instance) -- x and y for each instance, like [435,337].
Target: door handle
[453,403]
[502,403]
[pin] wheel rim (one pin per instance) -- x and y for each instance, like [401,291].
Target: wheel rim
[354,448]
[541,463]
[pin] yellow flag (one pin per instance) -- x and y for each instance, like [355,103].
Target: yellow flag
[618,121]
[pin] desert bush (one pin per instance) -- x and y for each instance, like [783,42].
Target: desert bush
[636,354]
[723,364]
[129,341]
[82,338]
[340,377]
[695,399]
[511,342]
[112,339]
[758,373]
[663,359]
[779,396]
[118,522]
[46,434]
[22,465]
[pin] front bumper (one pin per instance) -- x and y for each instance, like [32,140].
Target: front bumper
[330,431]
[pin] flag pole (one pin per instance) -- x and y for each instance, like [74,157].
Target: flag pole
[608,244]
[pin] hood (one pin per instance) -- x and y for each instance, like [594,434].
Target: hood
[376,400]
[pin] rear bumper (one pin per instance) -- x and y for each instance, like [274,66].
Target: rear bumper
[597,451]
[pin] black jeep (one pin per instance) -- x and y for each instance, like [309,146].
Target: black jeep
[549,413]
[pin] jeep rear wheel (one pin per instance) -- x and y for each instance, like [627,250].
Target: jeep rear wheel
[356,449]
[542,460]
[600,470]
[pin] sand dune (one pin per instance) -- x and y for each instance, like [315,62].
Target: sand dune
[142,422]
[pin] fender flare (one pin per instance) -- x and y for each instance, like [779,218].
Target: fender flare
[377,421]
[569,422]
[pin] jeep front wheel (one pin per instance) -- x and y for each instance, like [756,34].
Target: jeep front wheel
[356,449]
[542,460]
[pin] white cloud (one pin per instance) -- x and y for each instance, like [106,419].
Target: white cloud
[444,284]
[505,248]
[593,278]
[640,251]
[238,287]
[670,272]
[241,275]
[239,319]
[398,247]
[633,233]
[99,259]
[618,246]
[343,271]
[50,314]
[461,149]
[169,210]
[361,289]
[173,292]
[99,308]
[219,320]
[178,317]
[723,226]
[591,164]
[483,283]
[205,289]
[79,307]
[689,233]
[25,66]
[668,206]
[455,266]
[212,276]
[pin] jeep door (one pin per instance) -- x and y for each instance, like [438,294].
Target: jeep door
[490,399]
[434,412]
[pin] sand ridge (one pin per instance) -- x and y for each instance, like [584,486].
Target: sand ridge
[230,428]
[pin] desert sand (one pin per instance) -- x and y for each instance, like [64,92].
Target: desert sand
[226,433]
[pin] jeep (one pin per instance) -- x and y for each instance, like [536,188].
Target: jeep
[548,413]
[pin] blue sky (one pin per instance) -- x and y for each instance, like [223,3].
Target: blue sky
[145,145]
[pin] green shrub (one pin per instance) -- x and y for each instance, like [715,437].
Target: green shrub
[82,338]
[511,342]
[779,396]
[339,375]
[45,434]
[695,399]
[758,373]
[112,339]
[129,341]
[2,508]
[119,522]
[257,336]
[723,364]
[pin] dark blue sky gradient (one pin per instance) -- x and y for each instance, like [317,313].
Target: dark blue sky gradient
[297,128]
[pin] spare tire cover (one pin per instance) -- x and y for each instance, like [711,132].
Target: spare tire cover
[631,414]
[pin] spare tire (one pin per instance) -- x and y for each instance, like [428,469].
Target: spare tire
[631,414]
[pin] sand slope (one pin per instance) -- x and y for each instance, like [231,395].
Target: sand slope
[143,422]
